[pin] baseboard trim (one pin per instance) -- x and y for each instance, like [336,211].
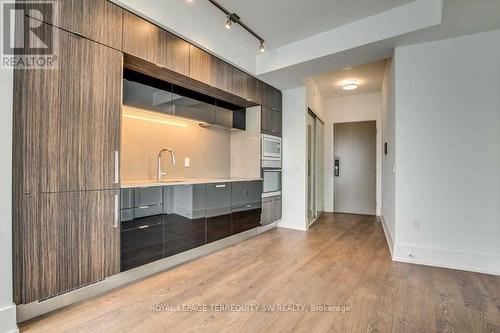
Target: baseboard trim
[35,309]
[8,319]
[388,238]
[464,261]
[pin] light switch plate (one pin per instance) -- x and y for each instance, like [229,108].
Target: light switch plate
[187,162]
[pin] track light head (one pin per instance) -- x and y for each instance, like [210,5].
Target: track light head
[262,47]
[229,22]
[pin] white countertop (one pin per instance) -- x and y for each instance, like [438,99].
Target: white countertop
[190,181]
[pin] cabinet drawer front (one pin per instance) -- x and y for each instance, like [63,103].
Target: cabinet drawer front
[141,246]
[218,199]
[271,210]
[246,220]
[146,211]
[182,234]
[218,228]
[148,196]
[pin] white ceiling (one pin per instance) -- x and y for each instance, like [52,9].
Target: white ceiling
[369,78]
[282,22]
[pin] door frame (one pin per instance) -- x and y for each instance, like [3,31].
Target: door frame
[378,158]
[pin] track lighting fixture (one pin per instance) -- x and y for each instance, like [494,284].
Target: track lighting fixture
[233,17]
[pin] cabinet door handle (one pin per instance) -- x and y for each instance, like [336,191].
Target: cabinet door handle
[220,186]
[116,221]
[117,166]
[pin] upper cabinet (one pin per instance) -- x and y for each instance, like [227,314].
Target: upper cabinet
[223,75]
[98,20]
[201,65]
[271,97]
[149,42]
[254,89]
[271,121]
[175,54]
[68,137]
[141,38]
[240,83]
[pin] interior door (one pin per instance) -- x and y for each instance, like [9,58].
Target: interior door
[355,184]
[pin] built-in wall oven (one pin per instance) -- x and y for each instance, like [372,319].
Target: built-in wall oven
[271,165]
[271,183]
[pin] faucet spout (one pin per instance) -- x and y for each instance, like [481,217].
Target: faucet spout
[160,173]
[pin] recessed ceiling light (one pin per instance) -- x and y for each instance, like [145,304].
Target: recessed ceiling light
[349,85]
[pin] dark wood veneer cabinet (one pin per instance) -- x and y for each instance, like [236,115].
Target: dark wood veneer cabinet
[149,42]
[69,118]
[201,65]
[271,97]
[240,83]
[271,121]
[223,75]
[98,20]
[255,87]
[69,240]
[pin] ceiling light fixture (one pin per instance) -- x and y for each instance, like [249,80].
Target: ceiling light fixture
[349,85]
[233,17]
[229,22]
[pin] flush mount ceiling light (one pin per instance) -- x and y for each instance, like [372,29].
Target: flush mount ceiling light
[349,85]
[233,17]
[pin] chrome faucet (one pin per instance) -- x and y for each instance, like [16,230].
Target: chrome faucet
[159,172]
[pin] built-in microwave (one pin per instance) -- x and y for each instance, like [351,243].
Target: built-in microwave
[271,151]
[271,183]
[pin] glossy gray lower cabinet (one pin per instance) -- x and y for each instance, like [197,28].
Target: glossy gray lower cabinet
[184,220]
[271,210]
[141,226]
[246,205]
[158,222]
[218,210]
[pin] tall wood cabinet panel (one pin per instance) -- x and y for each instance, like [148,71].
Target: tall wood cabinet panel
[240,83]
[70,118]
[201,65]
[98,20]
[255,87]
[69,241]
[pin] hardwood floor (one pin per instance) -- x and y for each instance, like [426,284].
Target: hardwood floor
[343,260]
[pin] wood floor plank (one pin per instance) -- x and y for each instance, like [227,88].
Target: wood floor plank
[342,260]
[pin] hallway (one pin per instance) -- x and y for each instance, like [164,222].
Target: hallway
[342,260]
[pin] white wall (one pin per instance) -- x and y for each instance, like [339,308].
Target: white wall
[294,192]
[202,24]
[314,98]
[349,109]
[448,153]
[388,178]
[7,308]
